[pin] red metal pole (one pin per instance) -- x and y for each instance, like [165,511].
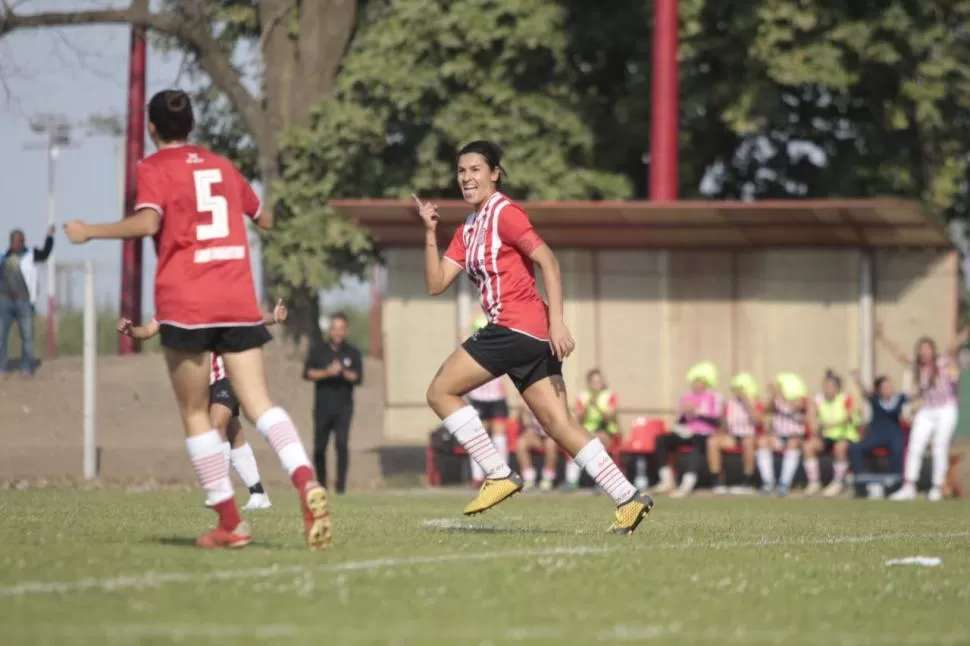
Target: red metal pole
[131,255]
[665,123]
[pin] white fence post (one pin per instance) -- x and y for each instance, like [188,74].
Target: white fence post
[90,372]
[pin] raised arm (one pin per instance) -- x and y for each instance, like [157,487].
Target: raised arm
[439,273]
[895,350]
[954,347]
[863,388]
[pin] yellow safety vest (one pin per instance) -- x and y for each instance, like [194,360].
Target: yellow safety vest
[839,423]
[593,418]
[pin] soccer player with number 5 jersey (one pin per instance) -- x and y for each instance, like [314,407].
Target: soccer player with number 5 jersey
[193,203]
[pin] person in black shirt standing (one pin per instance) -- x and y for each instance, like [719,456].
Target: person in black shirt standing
[336,368]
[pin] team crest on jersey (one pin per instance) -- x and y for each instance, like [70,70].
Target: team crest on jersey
[194,158]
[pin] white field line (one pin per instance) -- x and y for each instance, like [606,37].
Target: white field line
[157,579]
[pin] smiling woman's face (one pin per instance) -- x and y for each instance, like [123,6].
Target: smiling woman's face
[476,180]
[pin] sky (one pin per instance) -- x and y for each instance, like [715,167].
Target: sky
[76,72]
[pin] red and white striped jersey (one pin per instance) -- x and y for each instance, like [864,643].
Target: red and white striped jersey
[788,419]
[739,419]
[939,390]
[218,370]
[494,247]
[492,391]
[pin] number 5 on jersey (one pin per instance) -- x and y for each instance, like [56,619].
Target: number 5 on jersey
[206,202]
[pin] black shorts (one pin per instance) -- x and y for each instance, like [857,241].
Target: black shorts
[501,351]
[221,393]
[214,339]
[487,411]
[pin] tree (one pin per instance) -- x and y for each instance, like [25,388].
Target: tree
[296,48]
[418,82]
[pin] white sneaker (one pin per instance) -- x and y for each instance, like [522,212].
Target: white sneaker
[812,488]
[719,489]
[258,501]
[834,489]
[876,491]
[545,485]
[528,485]
[667,482]
[906,492]
[741,490]
[686,486]
[935,495]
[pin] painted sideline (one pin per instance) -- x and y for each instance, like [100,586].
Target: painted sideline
[158,579]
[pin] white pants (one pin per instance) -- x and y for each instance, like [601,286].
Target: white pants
[938,425]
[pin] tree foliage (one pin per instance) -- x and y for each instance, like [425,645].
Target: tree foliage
[778,98]
[418,82]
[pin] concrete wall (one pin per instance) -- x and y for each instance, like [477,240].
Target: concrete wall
[644,317]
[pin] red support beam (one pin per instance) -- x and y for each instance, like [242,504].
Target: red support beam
[664,126]
[131,255]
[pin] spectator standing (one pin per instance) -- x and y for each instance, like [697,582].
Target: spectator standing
[336,368]
[18,294]
[935,421]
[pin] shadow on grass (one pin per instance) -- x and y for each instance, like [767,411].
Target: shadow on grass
[186,541]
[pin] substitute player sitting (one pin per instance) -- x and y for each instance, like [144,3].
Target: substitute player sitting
[525,338]
[532,437]
[194,204]
[224,409]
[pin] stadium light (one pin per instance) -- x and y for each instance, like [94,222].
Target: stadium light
[57,129]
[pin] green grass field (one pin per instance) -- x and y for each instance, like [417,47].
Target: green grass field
[112,568]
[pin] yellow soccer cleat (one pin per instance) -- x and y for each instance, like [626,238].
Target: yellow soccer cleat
[631,513]
[494,491]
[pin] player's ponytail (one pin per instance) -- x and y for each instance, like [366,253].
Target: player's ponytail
[170,112]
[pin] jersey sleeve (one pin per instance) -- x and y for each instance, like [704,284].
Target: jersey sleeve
[456,250]
[515,229]
[252,206]
[149,194]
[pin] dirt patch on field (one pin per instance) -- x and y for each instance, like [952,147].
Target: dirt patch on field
[139,433]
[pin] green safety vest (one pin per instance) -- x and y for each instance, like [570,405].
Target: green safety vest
[593,414]
[840,424]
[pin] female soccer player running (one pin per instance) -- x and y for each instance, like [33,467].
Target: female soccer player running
[525,338]
[224,409]
[192,202]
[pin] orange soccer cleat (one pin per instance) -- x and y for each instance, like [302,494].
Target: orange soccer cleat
[219,537]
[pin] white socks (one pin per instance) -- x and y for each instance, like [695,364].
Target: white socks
[278,429]
[839,470]
[766,466]
[789,465]
[244,463]
[209,460]
[811,469]
[465,425]
[573,472]
[595,460]
[501,443]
